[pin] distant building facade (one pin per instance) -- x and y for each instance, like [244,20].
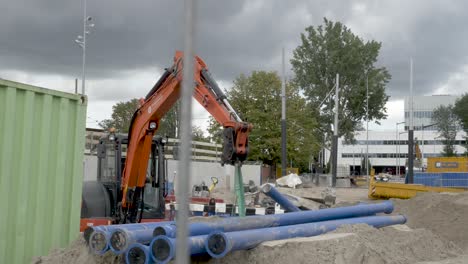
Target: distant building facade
[423,109]
[388,150]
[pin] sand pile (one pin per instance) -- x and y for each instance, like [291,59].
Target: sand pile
[356,244]
[445,214]
[436,232]
[77,253]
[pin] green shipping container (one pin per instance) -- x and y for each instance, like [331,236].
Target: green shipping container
[42,136]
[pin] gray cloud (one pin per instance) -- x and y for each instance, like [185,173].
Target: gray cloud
[233,37]
[433,33]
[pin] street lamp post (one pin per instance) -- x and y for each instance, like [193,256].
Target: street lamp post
[411,129]
[335,134]
[367,131]
[397,169]
[435,142]
[354,165]
[422,145]
[404,132]
[81,41]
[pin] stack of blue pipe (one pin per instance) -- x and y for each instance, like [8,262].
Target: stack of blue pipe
[155,242]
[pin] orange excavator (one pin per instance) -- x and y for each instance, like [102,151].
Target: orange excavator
[118,196]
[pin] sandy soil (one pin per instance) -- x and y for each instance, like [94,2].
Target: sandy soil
[348,245]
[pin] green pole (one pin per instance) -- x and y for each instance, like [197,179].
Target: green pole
[239,186]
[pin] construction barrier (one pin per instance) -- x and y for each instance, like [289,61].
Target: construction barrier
[448,179]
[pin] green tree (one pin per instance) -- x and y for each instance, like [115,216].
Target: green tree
[122,113]
[257,99]
[446,122]
[331,49]
[170,123]
[461,110]
[121,117]
[198,134]
[215,131]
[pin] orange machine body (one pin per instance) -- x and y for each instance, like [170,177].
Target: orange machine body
[158,102]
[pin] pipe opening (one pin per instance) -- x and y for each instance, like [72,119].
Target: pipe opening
[97,242]
[118,240]
[159,231]
[389,207]
[161,249]
[217,244]
[136,255]
[266,188]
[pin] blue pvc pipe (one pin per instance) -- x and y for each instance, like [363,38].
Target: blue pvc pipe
[124,236]
[137,254]
[218,244]
[162,248]
[98,242]
[89,230]
[231,224]
[99,238]
[274,194]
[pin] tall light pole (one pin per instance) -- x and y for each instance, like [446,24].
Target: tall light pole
[354,165]
[283,119]
[411,129]
[435,142]
[81,40]
[335,134]
[336,117]
[404,132]
[367,129]
[422,145]
[397,168]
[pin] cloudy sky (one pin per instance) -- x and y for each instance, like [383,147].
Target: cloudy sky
[134,40]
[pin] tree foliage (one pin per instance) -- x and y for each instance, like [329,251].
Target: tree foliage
[257,98]
[170,124]
[461,111]
[332,48]
[122,113]
[198,134]
[121,117]
[446,122]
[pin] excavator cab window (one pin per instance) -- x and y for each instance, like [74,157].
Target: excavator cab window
[107,167]
[111,161]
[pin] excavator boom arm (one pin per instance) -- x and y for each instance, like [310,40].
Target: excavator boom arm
[157,103]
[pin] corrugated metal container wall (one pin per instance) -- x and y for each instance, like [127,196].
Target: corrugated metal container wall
[447,164]
[42,136]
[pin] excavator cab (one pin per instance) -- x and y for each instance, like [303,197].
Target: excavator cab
[101,198]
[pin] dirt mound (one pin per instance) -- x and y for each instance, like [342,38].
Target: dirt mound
[357,244]
[77,253]
[445,214]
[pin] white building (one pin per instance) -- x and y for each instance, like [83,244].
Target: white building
[423,108]
[388,150]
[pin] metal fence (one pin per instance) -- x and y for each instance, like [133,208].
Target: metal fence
[446,179]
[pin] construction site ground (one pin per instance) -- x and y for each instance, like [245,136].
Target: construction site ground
[436,232]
